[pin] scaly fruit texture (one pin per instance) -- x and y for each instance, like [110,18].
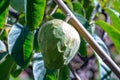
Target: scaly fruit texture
[58,42]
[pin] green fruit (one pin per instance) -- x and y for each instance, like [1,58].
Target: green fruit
[58,42]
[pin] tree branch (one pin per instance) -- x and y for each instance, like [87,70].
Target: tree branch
[85,34]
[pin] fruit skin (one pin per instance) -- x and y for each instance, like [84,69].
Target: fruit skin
[58,42]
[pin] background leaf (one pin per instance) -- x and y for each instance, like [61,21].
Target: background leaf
[3,12]
[85,23]
[114,19]
[116,5]
[88,7]
[59,15]
[34,13]
[113,33]
[64,73]
[5,68]
[77,6]
[69,4]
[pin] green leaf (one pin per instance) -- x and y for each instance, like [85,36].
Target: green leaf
[114,19]
[82,49]
[5,68]
[51,75]
[86,24]
[59,15]
[20,44]
[3,12]
[69,4]
[77,6]
[18,5]
[16,70]
[88,7]
[116,5]
[34,13]
[39,70]
[18,78]
[113,33]
[83,21]
[104,70]
[64,73]
[36,46]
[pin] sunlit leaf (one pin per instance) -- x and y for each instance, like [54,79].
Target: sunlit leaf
[3,12]
[38,67]
[51,75]
[20,44]
[78,8]
[34,13]
[103,3]
[69,4]
[88,7]
[116,5]
[112,32]
[104,70]
[2,47]
[114,19]
[12,78]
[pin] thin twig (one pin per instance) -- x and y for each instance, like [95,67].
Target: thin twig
[2,31]
[8,25]
[73,72]
[53,11]
[67,18]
